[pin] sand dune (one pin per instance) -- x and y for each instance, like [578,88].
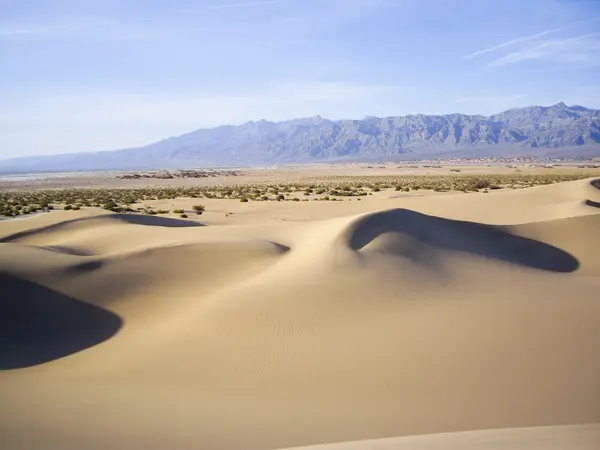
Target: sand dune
[572,437]
[378,319]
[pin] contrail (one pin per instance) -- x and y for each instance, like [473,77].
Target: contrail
[528,38]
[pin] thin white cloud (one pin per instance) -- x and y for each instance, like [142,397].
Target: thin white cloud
[237,5]
[531,37]
[248,4]
[98,31]
[579,49]
[513,42]
[32,30]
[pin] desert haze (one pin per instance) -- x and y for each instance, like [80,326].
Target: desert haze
[400,320]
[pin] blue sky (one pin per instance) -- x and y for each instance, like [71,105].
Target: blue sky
[107,74]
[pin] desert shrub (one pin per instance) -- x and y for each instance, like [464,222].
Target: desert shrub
[68,207]
[184,216]
[163,211]
[200,208]
[280,197]
[110,205]
[478,183]
[243,200]
[178,211]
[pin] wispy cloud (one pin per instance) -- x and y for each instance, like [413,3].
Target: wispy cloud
[236,5]
[32,30]
[531,37]
[247,4]
[579,49]
[513,42]
[84,30]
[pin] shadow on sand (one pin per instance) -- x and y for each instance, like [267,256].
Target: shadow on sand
[483,240]
[38,324]
[135,219]
[155,221]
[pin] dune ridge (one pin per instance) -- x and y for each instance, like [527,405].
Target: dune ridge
[573,437]
[420,317]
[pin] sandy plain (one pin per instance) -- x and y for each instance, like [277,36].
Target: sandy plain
[405,320]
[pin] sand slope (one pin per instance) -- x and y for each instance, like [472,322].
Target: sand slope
[572,437]
[390,317]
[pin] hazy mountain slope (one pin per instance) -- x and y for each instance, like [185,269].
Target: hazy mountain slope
[536,131]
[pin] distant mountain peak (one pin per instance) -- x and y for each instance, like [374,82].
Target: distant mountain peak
[531,131]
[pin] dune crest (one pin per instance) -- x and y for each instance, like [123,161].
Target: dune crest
[572,437]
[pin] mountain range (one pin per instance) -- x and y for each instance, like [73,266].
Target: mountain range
[557,130]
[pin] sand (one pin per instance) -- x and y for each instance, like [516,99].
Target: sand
[398,322]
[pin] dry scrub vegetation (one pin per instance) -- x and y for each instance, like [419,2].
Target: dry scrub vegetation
[123,200]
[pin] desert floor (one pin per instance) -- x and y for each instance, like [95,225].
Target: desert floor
[416,320]
[110,179]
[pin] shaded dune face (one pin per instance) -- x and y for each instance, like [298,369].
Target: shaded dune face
[593,194]
[135,219]
[38,324]
[407,233]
